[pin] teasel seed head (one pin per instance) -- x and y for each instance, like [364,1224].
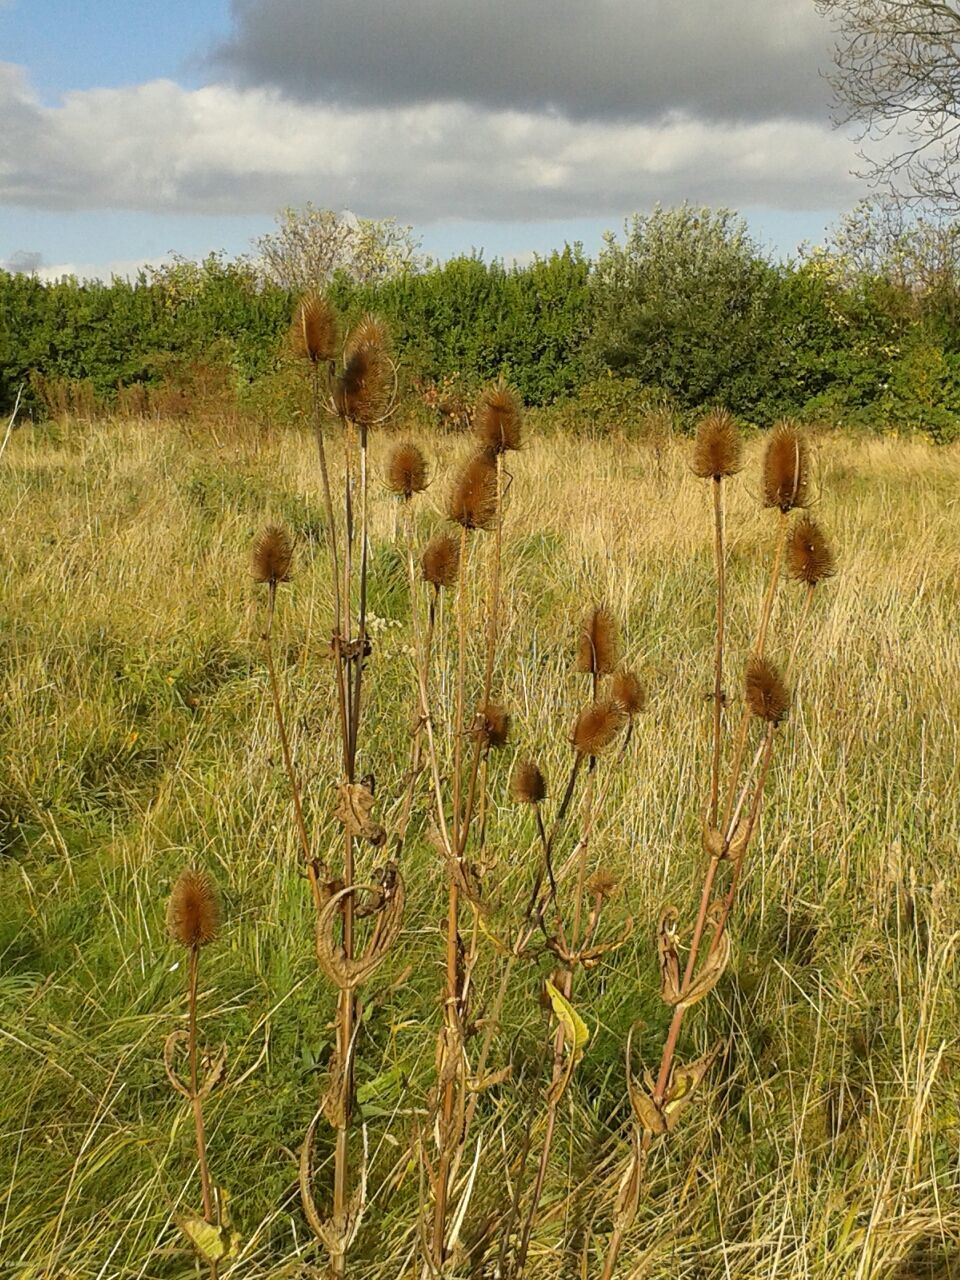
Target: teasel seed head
[494,724]
[272,555]
[809,557]
[597,726]
[628,692]
[602,884]
[313,332]
[473,498]
[193,912]
[361,390]
[767,695]
[498,418]
[440,562]
[717,450]
[528,785]
[786,468]
[406,470]
[599,643]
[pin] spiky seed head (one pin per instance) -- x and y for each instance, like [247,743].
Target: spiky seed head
[193,912]
[717,450]
[596,727]
[406,469]
[498,418]
[313,332]
[361,391]
[473,498]
[786,468]
[440,562]
[272,555]
[602,884]
[528,785]
[599,642]
[494,724]
[767,694]
[809,557]
[627,692]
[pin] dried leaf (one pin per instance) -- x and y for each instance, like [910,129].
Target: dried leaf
[349,973]
[684,1083]
[213,1244]
[668,956]
[709,975]
[354,808]
[646,1112]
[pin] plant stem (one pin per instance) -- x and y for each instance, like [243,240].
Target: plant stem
[195,1087]
[718,545]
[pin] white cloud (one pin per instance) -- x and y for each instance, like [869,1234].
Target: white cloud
[161,148]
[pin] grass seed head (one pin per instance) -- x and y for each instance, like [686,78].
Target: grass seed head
[313,332]
[596,727]
[786,468]
[473,498]
[717,450]
[193,912]
[440,562]
[599,643]
[272,555]
[528,785]
[767,694]
[498,419]
[628,692]
[362,389]
[809,557]
[406,469]
[494,724]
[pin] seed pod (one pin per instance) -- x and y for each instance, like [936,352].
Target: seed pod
[596,727]
[272,555]
[598,647]
[809,557]
[785,468]
[193,912]
[473,499]
[498,419]
[361,391]
[717,450]
[440,562]
[767,695]
[406,472]
[628,693]
[528,785]
[313,332]
[494,726]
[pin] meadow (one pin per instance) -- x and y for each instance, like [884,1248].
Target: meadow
[138,737]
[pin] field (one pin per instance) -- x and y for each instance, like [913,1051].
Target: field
[138,737]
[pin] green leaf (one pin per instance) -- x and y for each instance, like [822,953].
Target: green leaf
[576,1030]
[212,1243]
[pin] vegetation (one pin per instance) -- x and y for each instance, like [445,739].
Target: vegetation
[159,712]
[682,312]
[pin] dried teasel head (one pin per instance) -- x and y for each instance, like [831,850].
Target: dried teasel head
[473,498]
[717,450]
[628,692]
[440,562]
[809,557]
[272,555]
[193,912]
[599,643]
[528,785]
[313,332]
[602,884]
[767,694]
[361,391]
[596,727]
[406,472]
[494,724]
[498,418]
[786,466]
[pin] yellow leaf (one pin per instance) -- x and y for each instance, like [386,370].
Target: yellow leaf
[576,1030]
[212,1243]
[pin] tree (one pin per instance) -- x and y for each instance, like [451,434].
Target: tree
[898,76]
[311,244]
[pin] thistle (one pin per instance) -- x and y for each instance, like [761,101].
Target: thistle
[406,471]
[272,556]
[599,642]
[497,421]
[596,727]
[785,468]
[472,502]
[766,693]
[527,783]
[313,333]
[809,557]
[362,392]
[440,561]
[717,450]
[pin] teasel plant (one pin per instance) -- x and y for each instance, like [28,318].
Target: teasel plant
[731,813]
[571,931]
[353,389]
[453,738]
[193,921]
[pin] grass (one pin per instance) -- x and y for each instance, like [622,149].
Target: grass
[137,736]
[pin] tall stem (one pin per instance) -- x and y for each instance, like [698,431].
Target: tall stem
[718,546]
[195,1086]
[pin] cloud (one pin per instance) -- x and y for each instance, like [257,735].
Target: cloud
[158,147]
[739,60]
[27,262]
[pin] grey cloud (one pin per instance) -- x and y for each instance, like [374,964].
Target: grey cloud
[25,261]
[731,60]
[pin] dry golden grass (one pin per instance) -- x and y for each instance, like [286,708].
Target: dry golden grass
[137,737]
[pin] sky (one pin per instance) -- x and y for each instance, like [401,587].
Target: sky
[507,126]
